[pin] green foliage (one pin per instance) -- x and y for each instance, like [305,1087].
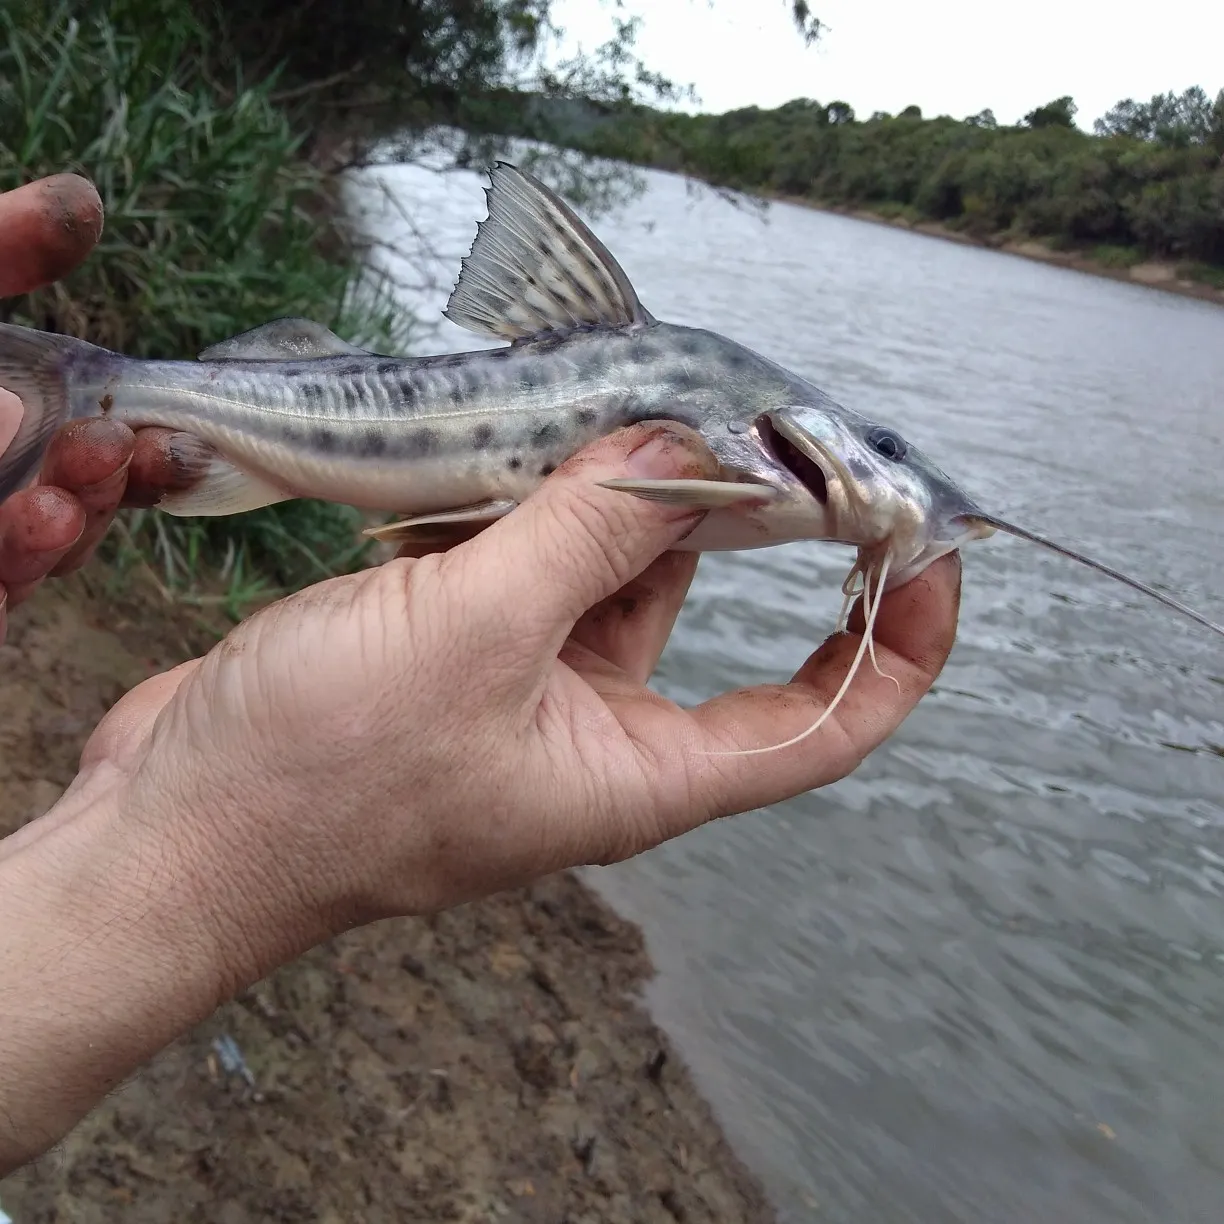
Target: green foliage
[211,129]
[214,223]
[1044,179]
[805,20]
[255,557]
[428,54]
[1174,120]
[1204,273]
[1110,256]
[1059,113]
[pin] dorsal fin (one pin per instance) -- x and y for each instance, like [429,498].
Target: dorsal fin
[536,268]
[282,340]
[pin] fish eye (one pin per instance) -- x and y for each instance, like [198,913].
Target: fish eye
[887,443]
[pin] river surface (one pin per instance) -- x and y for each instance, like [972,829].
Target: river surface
[982,979]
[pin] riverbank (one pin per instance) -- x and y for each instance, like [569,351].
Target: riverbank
[493,1062]
[1150,273]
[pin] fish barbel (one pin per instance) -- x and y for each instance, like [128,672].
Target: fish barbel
[453,442]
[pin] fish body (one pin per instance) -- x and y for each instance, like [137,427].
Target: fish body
[425,435]
[455,441]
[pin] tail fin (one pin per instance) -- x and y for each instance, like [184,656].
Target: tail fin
[33,365]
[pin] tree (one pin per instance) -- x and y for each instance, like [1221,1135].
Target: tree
[416,63]
[1045,179]
[1173,120]
[1059,113]
[1125,118]
[805,21]
[839,112]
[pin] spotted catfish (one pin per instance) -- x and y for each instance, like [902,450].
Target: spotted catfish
[453,442]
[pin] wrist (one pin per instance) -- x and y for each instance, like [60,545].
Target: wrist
[115,938]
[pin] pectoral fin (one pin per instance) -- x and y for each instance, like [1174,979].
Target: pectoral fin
[440,527]
[207,484]
[696,494]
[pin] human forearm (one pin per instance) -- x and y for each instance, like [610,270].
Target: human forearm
[110,948]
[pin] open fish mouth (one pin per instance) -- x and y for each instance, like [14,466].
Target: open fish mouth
[795,450]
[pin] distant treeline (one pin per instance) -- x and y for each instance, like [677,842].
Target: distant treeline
[1148,182]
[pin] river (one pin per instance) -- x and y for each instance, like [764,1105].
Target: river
[982,979]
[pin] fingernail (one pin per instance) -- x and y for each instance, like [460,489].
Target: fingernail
[115,480]
[665,454]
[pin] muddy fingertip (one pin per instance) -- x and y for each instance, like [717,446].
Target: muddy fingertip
[73,202]
[88,452]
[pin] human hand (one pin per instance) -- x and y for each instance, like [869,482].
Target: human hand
[394,742]
[92,467]
[437,729]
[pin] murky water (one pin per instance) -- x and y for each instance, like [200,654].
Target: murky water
[983,978]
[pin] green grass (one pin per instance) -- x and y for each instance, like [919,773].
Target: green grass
[1206,274]
[214,223]
[265,554]
[1111,256]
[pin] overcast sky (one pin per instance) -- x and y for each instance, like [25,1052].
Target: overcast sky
[951,57]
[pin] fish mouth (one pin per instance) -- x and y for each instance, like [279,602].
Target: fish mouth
[794,450]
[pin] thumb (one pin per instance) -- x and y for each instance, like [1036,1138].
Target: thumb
[573,543]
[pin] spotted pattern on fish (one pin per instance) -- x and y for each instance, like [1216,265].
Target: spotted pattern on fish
[291,409]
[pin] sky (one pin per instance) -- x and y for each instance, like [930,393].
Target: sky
[953,57]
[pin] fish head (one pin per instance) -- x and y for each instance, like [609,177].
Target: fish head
[879,491]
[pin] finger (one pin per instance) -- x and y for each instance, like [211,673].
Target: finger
[90,460]
[914,633]
[573,543]
[85,454]
[161,464]
[37,527]
[46,229]
[627,631]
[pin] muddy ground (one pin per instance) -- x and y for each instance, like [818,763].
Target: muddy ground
[490,1064]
